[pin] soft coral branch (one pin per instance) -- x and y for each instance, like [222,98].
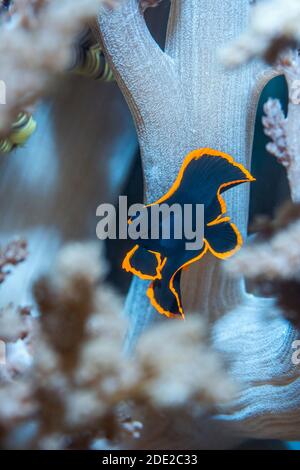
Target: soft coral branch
[274,123]
[284,132]
[11,255]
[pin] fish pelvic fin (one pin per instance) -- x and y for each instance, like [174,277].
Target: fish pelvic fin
[145,264]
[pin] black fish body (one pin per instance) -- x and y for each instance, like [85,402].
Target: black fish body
[204,176]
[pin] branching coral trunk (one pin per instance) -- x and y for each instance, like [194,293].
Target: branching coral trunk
[182,99]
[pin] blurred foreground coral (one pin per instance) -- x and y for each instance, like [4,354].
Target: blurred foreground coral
[274,27]
[37,39]
[36,46]
[66,381]
[272,261]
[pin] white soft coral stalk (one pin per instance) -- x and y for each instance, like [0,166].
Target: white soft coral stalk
[217,110]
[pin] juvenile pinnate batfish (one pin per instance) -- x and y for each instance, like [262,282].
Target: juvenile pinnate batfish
[203,177]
